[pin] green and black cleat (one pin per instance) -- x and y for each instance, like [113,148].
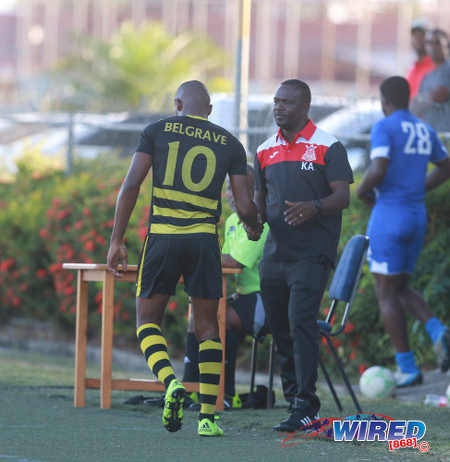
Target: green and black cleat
[172,417]
[208,428]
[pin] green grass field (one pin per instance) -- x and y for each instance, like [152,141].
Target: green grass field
[38,423]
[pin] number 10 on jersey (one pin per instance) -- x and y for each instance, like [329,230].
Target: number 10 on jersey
[186,167]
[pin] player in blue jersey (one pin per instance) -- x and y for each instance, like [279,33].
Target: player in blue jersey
[402,146]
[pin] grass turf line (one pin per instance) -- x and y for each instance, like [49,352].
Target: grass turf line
[38,423]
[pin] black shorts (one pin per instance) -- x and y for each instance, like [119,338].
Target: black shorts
[164,259]
[250,310]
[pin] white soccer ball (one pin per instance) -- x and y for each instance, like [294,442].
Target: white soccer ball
[377,382]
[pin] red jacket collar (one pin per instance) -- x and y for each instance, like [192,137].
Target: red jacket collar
[306,132]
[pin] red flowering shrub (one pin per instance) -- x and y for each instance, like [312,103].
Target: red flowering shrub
[49,220]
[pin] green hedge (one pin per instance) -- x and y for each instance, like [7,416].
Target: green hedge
[47,218]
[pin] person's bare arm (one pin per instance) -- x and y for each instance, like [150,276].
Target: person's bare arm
[260,201]
[245,207]
[373,177]
[438,175]
[229,262]
[126,200]
[299,212]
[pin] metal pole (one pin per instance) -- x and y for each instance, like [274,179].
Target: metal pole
[328,49]
[238,73]
[52,39]
[364,39]
[242,69]
[69,156]
[24,63]
[293,21]
[80,16]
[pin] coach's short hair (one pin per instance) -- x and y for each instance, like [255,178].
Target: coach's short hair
[302,87]
[396,91]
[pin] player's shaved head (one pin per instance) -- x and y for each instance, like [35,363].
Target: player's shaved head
[192,97]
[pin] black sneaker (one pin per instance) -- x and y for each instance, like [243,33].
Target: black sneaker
[300,419]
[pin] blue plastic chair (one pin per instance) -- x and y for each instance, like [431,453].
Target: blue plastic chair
[342,289]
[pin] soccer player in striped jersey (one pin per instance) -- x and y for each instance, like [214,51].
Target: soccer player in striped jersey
[190,158]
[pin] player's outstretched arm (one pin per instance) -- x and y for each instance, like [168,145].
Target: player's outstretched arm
[126,200]
[260,201]
[245,207]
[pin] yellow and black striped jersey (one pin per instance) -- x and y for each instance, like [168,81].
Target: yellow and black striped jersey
[191,158]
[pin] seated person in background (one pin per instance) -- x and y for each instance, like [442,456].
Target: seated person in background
[245,312]
[432,103]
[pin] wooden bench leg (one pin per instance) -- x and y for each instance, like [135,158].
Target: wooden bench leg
[107,340]
[79,399]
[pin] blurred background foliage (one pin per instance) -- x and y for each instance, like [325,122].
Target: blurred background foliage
[47,218]
[138,69]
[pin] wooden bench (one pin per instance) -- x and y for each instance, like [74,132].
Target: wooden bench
[98,273]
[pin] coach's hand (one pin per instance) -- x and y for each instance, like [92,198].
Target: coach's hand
[299,212]
[117,254]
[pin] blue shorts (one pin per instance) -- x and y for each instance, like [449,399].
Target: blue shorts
[396,238]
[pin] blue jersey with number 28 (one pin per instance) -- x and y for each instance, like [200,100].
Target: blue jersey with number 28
[409,144]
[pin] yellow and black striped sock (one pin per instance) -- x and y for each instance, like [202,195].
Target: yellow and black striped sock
[210,367]
[154,346]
